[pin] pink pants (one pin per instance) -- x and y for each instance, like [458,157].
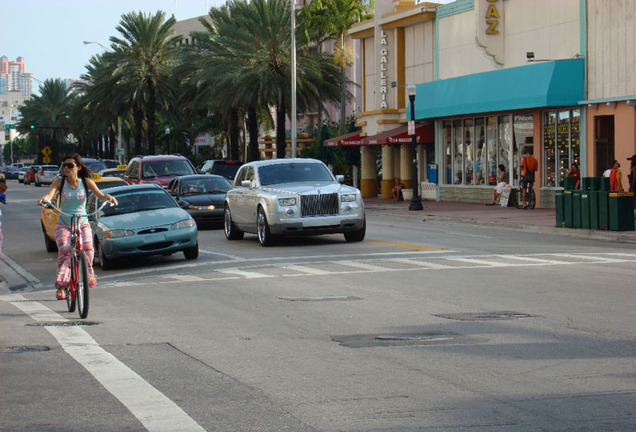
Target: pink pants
[63,240]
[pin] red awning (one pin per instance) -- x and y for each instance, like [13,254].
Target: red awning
[424,134]
[348,139]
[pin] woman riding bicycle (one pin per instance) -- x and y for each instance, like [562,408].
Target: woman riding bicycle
[73,194]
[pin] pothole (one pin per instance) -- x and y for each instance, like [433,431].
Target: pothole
[63,324]
[485,316]
[402,339]
[24,349]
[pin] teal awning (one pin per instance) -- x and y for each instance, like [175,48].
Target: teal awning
[544,84]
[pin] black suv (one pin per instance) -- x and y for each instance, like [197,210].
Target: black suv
[225,168]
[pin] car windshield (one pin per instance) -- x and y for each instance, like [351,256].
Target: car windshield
[95,166]
[139,200]
[293,173]
[204,186]
[49,168]
[225,169]
[166,168]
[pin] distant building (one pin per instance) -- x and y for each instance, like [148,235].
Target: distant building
[14,78]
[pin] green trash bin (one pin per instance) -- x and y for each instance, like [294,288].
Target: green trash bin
[604,183]
[576,209]
[590,183]
[585,209]
[559,208]
[594,209]
[567,208]
[603,210]
[621,211]
[568,183]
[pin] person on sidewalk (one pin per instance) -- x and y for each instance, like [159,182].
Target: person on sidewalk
[616,178]
[632,179]
[529,165]
[502,181]
[576,173]
[396,192]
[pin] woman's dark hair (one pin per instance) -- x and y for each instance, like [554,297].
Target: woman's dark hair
[84,171]
[502,168]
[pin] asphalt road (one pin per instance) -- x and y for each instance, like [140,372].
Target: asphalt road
[426,325]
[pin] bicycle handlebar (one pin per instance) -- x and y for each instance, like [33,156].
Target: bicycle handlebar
[49,204]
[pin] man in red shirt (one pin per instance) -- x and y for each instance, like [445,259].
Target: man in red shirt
[529,165]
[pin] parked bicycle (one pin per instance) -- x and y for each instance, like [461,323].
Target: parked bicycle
[77,292]
[516,196]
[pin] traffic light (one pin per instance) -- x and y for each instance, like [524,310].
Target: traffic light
[32,126]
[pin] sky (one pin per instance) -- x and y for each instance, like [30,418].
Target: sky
[49,34]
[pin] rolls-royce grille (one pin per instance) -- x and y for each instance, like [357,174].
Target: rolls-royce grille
[319,205]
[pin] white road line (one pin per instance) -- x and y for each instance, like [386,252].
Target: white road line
[233,257]
[595,258]
[361,265]
[305,269]
[151,407]
[427,264]
[186,278]
[245,274]
[535,260]
[483,262]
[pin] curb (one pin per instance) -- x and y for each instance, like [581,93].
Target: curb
[15,277]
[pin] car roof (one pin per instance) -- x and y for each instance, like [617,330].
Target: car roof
[161,157]
[283,161]
[136,188]
[198,176]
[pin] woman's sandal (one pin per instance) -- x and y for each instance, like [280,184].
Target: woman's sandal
[92,281]
[61,294]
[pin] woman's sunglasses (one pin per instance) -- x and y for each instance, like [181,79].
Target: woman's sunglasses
[69,165]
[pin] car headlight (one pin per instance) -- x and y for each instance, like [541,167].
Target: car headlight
[287,201]
[194,207]
[348,198]
[186,223]
[116,233]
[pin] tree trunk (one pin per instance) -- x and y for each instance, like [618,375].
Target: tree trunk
[281,145]
[343,99]
[234,135]
[252,128]
[138,117]
[150,117]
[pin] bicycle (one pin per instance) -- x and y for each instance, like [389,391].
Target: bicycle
[77,292]
[517,196]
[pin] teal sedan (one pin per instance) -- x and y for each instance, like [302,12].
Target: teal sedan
[147,221]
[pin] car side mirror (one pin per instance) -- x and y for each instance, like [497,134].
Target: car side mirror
[340,178]
[246,183]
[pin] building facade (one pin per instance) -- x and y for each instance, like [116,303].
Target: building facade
[494,78]
[14,78]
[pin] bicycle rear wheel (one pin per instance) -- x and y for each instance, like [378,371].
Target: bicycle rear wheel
[81,288]
[71,291]
[532,201]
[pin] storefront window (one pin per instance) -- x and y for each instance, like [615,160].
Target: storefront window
[458,166]
[473,147]
[561,144]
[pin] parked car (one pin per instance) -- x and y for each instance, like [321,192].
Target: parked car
[22,173]
[11,172]
[29,176]
[147,221]
[48,218]
[157,169]
[225,168]
[46,174]
[201,195]
[285,197]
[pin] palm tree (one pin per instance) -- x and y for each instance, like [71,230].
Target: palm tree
[144,56]
[331,19]
[47,116]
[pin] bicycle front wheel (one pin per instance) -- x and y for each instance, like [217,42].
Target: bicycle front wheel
[71,291]
[532,200]
[81,288]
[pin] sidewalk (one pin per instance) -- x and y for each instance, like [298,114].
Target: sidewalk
[537,220]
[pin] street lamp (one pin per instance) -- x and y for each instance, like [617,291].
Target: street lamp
[416,203]
[167,131]
[97,43]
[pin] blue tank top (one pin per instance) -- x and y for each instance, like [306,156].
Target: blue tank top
[73,201]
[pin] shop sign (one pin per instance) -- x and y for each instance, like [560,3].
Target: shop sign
[490,28]
[384,79]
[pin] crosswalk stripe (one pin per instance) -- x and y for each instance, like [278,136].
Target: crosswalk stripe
[305,269]
[361,265]
[245,274]
[428,264]
[483,262]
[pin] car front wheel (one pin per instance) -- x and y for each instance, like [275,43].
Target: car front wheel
[192,252]
[265,237]
[357,235]
[231,231]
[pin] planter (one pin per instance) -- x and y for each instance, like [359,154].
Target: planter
[407,194]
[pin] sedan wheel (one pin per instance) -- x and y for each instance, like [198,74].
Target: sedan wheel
[262,228]
[104,262]
[231,231]
[357,235]
[192,252]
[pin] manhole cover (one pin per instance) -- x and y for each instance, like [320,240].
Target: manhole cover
[62,324]
[24,349]
[402,339]
[485,316]
[320,298]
